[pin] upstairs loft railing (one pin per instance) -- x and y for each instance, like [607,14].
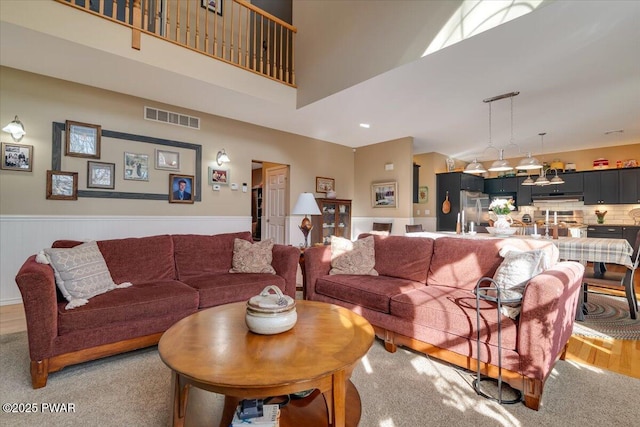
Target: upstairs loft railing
[233,31]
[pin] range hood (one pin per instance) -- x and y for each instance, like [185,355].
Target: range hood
[558,197]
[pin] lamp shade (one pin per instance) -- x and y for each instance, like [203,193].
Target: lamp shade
[16,129]
[306,205]
[474,167]
[500,165]
[529,163]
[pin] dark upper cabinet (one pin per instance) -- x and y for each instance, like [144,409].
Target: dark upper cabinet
[501,185]
[601,187]
[524,192]
[470,182]
[573,183]
[629,181]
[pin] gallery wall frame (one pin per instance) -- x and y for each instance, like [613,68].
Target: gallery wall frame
[62,185]
[212,5]
[56,162]
[101,175]
[181,188]
[218,176]
[167,160]
[82,139]
[17,157]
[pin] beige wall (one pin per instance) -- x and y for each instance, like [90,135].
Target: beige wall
[369,168]
[39,101]
[430,165]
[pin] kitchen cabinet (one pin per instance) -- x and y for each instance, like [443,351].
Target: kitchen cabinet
[629,182]
[601,187]
[453,183]
[524,192]
[496,186]
[605,231]
[573,184]
[335,220]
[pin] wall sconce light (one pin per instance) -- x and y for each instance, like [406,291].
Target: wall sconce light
[222,158]
[16,129]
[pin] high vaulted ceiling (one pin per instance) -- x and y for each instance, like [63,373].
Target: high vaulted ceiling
[576,65]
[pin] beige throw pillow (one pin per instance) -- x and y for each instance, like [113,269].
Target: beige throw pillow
[349,257]
[515,272]
[252,257]
[81,272]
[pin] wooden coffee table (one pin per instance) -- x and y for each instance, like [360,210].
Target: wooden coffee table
[213,350]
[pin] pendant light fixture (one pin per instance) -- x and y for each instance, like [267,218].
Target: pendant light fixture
[542,179]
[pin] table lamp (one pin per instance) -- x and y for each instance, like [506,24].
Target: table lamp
[306,205]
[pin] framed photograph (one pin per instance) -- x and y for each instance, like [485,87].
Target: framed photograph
[324,185]
[101,175]
[17,157]
[62,185]
[213,5]
[218,176]
[168,160]
[136,167]
[82,140]
[423,194]
[181,188]
[384,195]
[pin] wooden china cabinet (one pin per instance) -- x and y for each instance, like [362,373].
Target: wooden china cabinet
[335,220]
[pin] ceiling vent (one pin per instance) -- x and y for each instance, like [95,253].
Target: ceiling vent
[171,118]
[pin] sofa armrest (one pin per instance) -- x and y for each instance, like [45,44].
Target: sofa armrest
[546,319]
[285,261]
[317,263]
[38,288]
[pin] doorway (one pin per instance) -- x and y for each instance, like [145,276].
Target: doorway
[269,201]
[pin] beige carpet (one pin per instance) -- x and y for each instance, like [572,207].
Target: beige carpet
[397,390]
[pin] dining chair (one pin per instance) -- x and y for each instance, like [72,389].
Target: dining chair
[413,228]
[382,227]
[521,227]
[617,280]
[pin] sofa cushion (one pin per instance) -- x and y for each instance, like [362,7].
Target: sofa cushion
[224,288]
[372,292]
[81,272]
[252,257]
[461,262]
[197,254]
[142,301]
[139,260]
[349,257]
[454,311]
[403,257]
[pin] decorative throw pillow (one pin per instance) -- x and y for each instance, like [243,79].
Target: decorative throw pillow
[349,257]
[252,257]
[513,274]
[81,272]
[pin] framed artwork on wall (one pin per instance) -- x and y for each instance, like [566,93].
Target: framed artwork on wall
[62,185]
[423,194]
[213,5]
[168,160]
[82,140]
[324,185]
[384,194]
[218,176]
[136,167]
[17,157]
[181,188]
[101,175]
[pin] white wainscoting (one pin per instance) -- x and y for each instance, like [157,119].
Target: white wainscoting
[22,236]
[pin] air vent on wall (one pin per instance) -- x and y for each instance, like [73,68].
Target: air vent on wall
[171,118]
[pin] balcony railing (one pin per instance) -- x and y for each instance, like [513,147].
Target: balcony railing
[232,31]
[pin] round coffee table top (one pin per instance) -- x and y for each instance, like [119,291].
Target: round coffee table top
[215,348]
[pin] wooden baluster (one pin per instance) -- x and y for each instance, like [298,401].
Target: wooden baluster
[114,9]
[215,33]
[255,43]
[281,49]
[231,53]
[246,52]
[127,5]
[137,24]
[293,52]
[167,23]
[197,45]
[177,21]
[156,27]
[187,35]
[286,67]
[101,7]
[206,30]
[145,11]
[239,36]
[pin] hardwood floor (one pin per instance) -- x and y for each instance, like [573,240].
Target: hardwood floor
[619,356]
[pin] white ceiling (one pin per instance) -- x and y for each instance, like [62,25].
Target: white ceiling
[575,64]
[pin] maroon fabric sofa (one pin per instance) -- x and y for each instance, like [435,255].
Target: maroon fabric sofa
[424,299]
[173,276]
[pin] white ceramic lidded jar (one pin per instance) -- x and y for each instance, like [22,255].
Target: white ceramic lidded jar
[271,313]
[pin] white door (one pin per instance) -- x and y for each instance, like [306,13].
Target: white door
[275,203]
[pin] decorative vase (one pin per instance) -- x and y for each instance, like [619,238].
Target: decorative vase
[503,221]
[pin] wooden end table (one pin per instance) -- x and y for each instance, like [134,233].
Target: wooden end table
[213,350]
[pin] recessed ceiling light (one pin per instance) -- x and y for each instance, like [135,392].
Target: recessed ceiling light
[365,125]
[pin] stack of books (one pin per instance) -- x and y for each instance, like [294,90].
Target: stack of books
[270,418]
